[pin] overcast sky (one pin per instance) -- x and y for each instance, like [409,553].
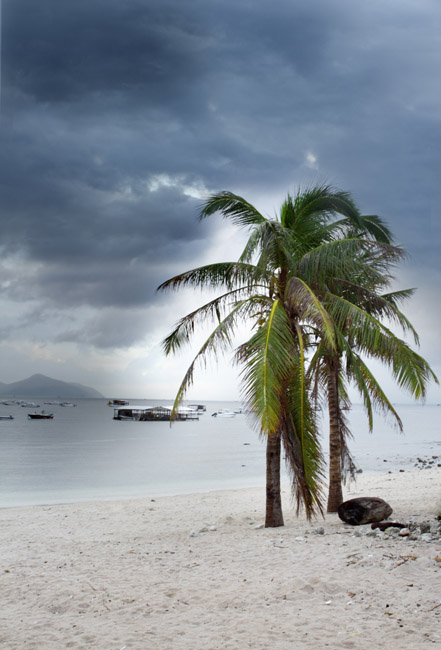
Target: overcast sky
[118,117]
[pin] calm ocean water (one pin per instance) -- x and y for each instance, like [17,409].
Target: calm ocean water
[83,454]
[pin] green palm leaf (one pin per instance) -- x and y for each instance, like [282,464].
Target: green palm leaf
[324,202]
[377,305]
[211,276]
[370,390]
[232,207]
[303,303]
[396,297]
[346,258]
[248,306]
[267,360]
[219,340]
[371,337]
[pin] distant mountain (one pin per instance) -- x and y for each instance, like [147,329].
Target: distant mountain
[42,386]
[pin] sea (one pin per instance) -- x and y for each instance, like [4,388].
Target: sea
[83,454]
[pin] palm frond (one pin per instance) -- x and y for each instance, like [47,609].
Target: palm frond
[309,228]
[373,227]
[303,303]
[302,393]
[232,207]
[317,376]
[326,202]
[219,340]
[253,244]
[211,276]
[346,258]
[373,338]
[369,388]
[267,359]
[301,443]
[347,462]
[249,306]
[288,213]
[276,246]
[395,297]
[377,305]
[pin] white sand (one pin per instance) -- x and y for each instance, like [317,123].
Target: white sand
[127,574]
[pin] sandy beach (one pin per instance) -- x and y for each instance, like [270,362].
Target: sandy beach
[197,572]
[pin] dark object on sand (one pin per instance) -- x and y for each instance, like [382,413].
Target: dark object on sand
[364,510]
[387,524]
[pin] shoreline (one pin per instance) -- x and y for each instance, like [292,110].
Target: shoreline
[197,571]
[415,467]
[353,488]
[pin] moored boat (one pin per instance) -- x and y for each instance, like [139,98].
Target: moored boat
[200,408]
[223,413]
[41,416]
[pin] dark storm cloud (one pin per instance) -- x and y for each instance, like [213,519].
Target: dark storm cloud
[116,114]
[61,51]
[68,50]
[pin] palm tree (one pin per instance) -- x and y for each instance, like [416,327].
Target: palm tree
[363,334]
[358,310]
[277,286]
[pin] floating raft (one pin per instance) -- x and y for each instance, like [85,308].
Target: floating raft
[153,413]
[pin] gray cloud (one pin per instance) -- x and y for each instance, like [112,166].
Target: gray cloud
[117,116]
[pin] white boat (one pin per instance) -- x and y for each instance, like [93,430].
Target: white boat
[6,417]
[200,408]
[223,413]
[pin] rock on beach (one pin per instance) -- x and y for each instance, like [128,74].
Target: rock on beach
[364,510]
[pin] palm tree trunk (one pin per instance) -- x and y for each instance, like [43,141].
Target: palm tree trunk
[274,516]
[335,492]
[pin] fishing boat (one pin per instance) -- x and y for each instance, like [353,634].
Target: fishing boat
[223,413]
[6,417]
[117,402]
[41,416]
[200,408]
